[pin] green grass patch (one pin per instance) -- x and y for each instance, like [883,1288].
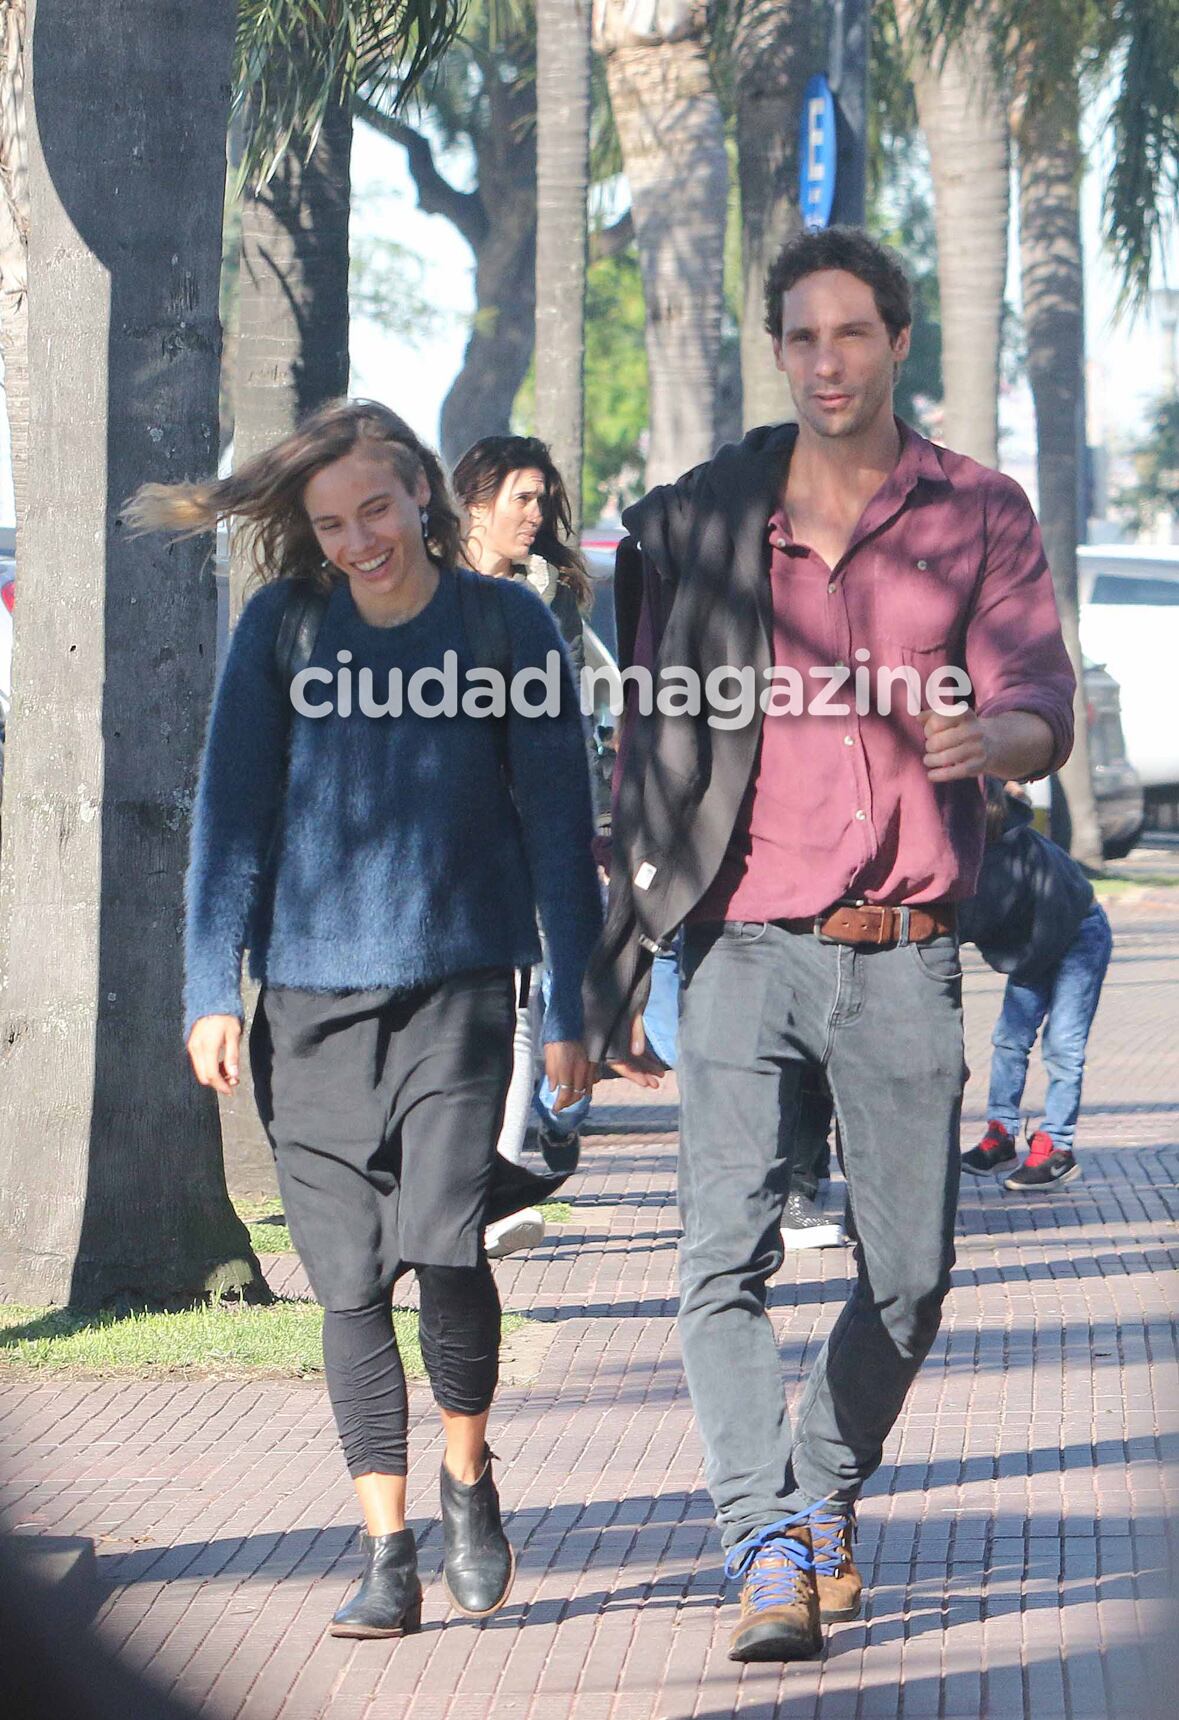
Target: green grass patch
[1115,883]
[221,1340]
[556,1211]
[267,1225]
[270,1236]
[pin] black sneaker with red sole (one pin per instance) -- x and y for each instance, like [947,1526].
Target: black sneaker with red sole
[1046,1166]
[994,1152]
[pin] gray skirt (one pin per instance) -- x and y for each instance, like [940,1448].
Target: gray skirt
[382,1111]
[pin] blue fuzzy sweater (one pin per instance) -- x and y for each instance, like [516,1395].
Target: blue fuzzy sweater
[388,851]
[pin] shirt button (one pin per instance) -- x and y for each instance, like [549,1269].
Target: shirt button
[848,741]
[831,587]
[922,565]
[860,817]
[781,543]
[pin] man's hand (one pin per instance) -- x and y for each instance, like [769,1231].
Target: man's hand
[1015,744]
[955,747]
[213,1047]
[640,1066]
[570,1073]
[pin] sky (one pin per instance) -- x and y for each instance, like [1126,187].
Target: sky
[1125,354]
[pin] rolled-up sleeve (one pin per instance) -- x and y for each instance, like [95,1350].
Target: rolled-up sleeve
[1015,654]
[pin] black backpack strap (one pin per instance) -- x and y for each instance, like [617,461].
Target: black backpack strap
[485,623]
[628,598]
[486,628]
[298,630]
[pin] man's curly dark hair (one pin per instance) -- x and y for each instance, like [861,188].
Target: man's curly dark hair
[853,251]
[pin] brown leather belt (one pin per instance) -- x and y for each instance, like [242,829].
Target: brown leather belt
[876,925]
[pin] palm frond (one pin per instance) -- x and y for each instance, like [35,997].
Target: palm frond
[1142,187]
[1129,46]
[495,44]
[293,57]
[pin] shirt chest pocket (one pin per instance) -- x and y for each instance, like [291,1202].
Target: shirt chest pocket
[917,608]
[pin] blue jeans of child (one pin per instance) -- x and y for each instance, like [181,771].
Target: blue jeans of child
[1067,994]
[661,1020]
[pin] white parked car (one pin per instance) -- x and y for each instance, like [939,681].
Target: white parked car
[1130,623]
[7,592]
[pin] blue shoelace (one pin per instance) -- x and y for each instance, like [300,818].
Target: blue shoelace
[773,1561]
[828,1521]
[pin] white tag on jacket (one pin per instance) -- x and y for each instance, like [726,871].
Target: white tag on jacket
[645,876]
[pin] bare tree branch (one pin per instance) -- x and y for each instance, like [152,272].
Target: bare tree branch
[436,195]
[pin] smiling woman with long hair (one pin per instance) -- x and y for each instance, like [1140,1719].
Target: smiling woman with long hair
[385,874]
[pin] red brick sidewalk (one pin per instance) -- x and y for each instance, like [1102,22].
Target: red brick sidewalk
[1015,1541]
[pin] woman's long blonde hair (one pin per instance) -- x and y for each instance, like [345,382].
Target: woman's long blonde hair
[264,497]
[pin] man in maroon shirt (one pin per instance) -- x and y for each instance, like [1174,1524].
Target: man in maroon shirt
[814,855]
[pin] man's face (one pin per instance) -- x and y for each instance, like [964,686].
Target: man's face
[837,354]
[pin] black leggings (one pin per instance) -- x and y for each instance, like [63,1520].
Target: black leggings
[459,1329]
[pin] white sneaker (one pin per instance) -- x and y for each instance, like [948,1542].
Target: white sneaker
[511,1235]
[804,1226]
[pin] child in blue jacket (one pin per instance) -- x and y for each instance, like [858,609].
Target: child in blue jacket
[1035,918]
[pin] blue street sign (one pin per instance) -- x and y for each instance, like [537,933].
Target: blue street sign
[816,153]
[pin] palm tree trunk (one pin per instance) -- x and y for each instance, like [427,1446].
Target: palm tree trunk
[562,187]
[111,1180]
[500,225]
[671,132]
[292,341]
[769,74]
[503,334]
[290,353]
[963,114]
[1050,169]
[497,218]
[14,248]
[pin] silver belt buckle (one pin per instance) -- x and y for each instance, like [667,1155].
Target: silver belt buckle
[903,934]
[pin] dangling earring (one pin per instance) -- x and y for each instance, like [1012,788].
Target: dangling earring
[425,515]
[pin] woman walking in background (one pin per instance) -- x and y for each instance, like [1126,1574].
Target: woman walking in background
[518,528]
[385,870]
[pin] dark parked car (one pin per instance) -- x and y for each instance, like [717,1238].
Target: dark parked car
[1117,787]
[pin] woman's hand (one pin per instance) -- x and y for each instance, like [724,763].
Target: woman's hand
[213,1047]
[640,1067]
[570,1073]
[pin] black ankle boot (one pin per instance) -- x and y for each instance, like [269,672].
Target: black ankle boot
[478,1565]
[389,1599]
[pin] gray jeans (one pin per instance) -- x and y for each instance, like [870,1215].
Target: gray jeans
[886,1025]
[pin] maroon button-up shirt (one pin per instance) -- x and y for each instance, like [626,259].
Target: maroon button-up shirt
[945,567]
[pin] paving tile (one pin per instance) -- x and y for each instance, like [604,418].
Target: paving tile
[1016,1541]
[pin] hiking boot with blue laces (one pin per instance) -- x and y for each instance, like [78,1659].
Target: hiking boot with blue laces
[838,1582]
[779,1602]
